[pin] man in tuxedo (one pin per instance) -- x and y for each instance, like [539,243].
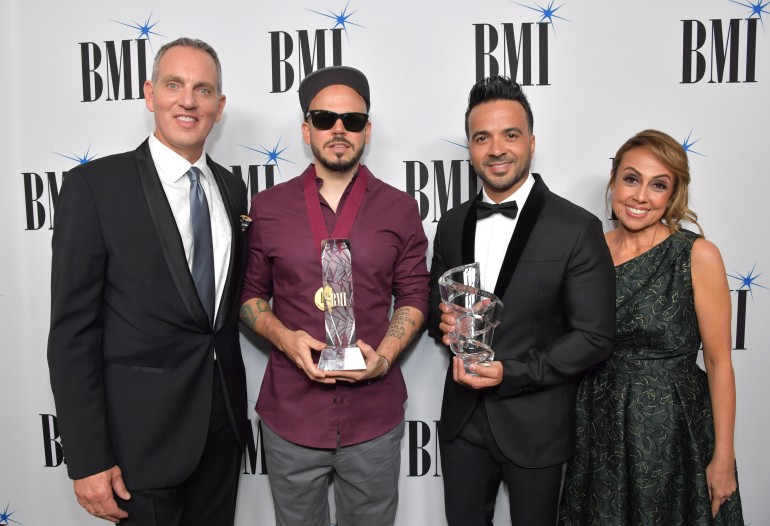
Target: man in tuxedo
[143,351]
[512,419]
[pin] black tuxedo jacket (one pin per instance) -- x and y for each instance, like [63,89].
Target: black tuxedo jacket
[557,284]
[131,349]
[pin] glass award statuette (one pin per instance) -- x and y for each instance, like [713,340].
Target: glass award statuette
[341,353]
[452,280]
[477,313]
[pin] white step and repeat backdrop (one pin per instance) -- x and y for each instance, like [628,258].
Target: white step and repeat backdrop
[596,71]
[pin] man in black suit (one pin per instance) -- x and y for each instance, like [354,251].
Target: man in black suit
[143,351]
[512,419]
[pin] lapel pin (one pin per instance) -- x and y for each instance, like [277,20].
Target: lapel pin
[245,222]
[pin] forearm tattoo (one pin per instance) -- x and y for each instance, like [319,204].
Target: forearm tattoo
[249,315]
[401,325]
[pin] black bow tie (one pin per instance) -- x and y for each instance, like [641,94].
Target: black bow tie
[484,210]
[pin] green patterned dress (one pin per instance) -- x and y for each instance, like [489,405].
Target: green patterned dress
[645,431]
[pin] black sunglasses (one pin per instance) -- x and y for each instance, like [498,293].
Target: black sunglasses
[325,120]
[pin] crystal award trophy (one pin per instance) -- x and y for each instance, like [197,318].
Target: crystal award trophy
[477,313]
[341,353]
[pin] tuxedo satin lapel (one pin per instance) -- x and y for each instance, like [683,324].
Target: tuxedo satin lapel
[468,238]
[168,235]
[236,249]
[524,226]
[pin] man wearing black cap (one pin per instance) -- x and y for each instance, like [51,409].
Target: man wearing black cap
[347,423]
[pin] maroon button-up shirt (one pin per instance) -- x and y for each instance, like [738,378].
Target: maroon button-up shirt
[388,247]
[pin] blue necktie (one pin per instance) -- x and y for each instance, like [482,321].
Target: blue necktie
[203,248]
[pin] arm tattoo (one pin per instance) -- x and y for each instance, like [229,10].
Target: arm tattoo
[248,315]
[399,323]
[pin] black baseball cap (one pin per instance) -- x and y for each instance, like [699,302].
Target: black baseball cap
[324,77]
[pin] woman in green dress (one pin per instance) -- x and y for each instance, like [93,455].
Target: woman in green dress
[654,431]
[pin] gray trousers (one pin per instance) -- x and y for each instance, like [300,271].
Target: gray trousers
[365,480]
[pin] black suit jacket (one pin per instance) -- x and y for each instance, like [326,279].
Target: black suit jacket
[557,284]
[131,349]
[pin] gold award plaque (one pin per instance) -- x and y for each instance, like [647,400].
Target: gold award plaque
[325,291]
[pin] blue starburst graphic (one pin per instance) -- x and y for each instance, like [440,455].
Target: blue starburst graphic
[78,159]
[757,9]
[341,19]
[5,516]
[461,145]
[271,156]
[688,143]
[546,13]
[749,281]
[145,30]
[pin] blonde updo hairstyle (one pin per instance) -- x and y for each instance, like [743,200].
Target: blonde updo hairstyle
[669,152]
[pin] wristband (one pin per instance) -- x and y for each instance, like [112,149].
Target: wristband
[387,364]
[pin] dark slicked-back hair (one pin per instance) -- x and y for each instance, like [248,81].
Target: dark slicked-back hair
[494,88]
[195,44]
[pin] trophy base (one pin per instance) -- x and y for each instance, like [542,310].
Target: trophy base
[475,353]
[341,359]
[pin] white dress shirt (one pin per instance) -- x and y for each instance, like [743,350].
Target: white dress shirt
[172,170]
[494,233]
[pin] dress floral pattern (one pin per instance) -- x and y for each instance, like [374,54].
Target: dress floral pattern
[645,430]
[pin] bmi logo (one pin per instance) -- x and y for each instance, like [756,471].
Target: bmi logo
[41,189]
[325,298]
[422,458]
[254,457]
[422,447]
[512,50]
[117,69]
[442,185]
[725,49]
[53,452]
[272,157]
[746,289]
[295,56]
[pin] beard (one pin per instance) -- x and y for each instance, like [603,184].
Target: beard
[338,165]
[499,184]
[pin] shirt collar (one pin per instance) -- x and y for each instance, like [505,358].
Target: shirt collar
[170,165]
[520,195]
[320,182]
